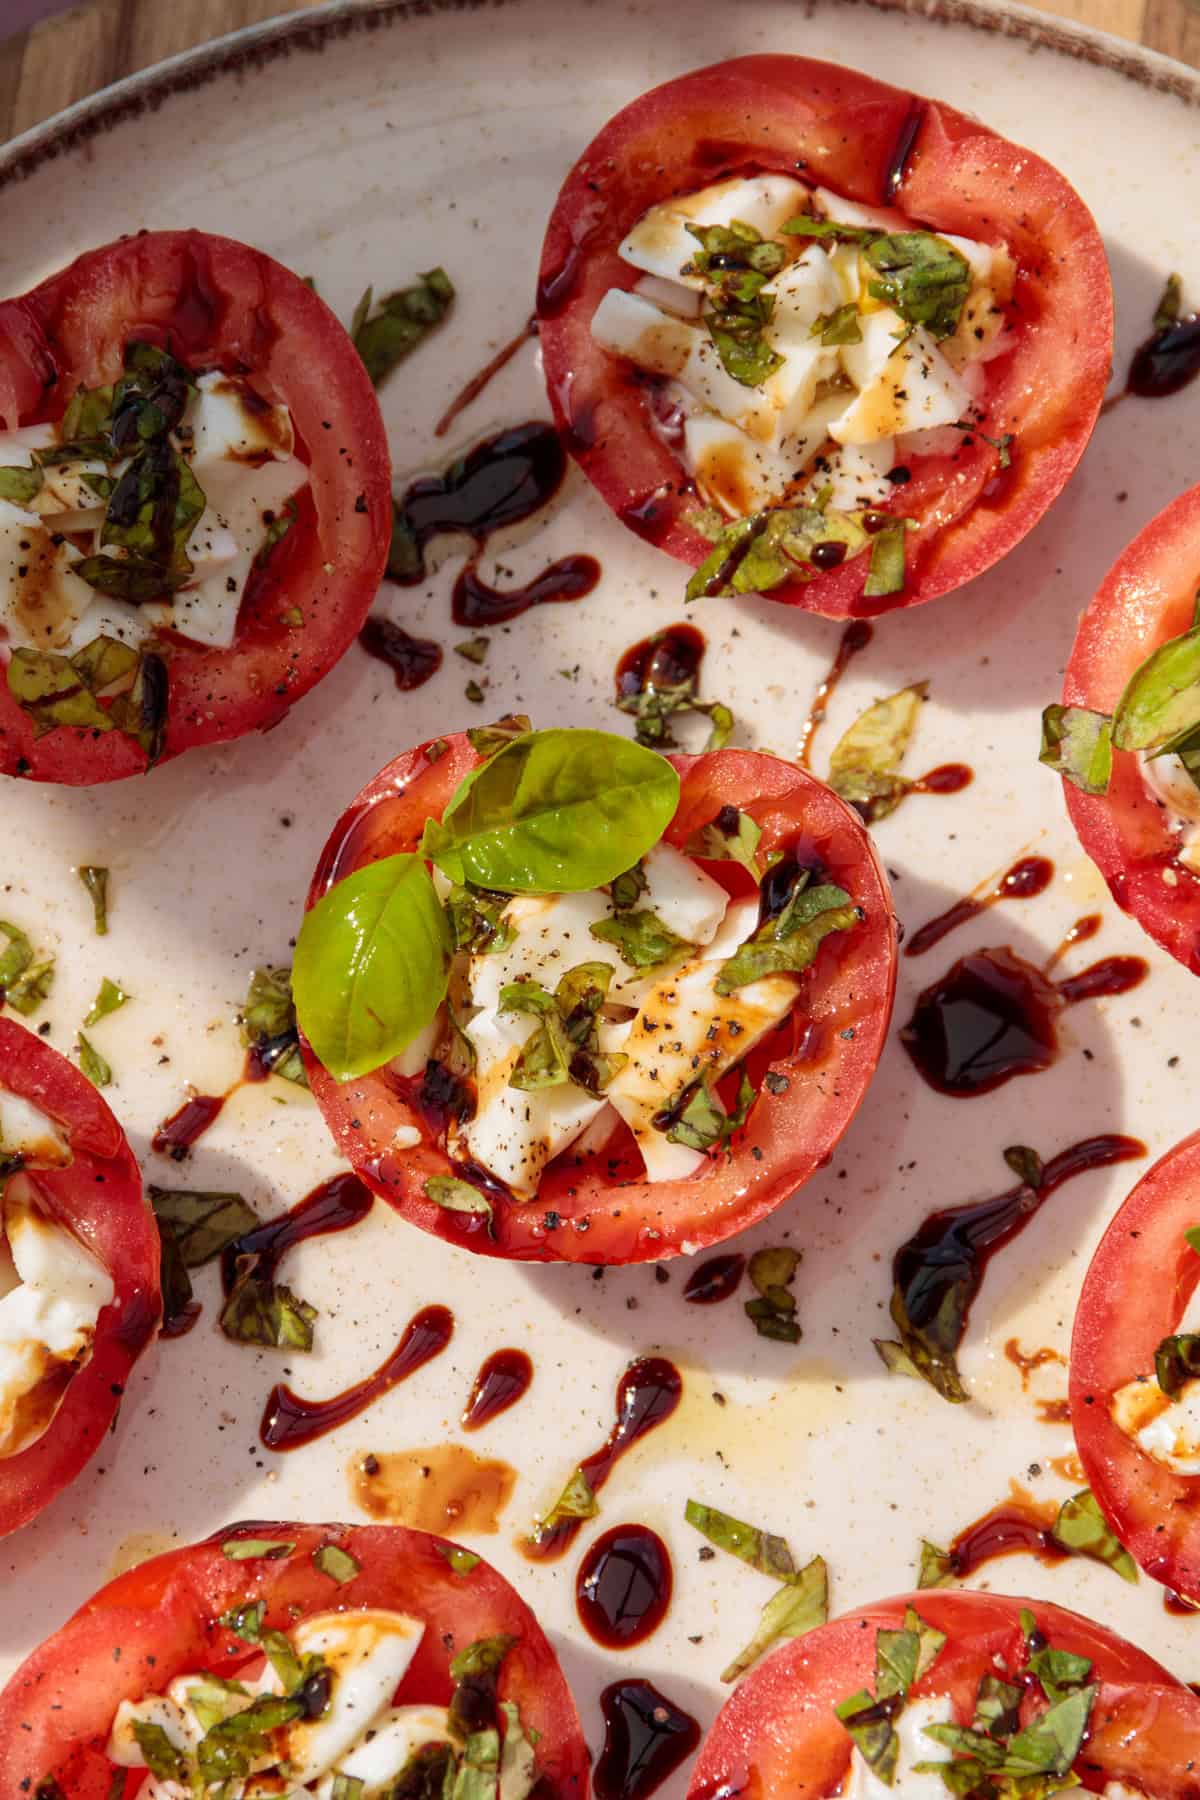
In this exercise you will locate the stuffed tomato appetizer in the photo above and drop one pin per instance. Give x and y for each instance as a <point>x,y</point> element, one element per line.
<point>349,1663</point>
<point>1126,738</point>
<point>937,1694</point>
<point>821,338</point>
<point>563,998</point>
<point>195,503</point>
<point>79,1278</point>
<point>1135,1371</point>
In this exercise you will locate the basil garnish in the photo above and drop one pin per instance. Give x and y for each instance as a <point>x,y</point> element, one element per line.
<point>936,1567</point>
<point>95,1067</point>
<point>371,965</point>
<point>642,939</point>
<point>110,997</point>
<point>402,321</point>
<point>202,1224</point>
<point>764,1551</point>
<point>1058,1671</point>
<point>565,1046</point>
<point>165,1761</point>
<point>248,1549</point>
<point>476,921</point>
<point>95,880</point>
<point>460,1560</point>
<point>773,1312</point>
<point>554,812</point>
<point>758,553</point>
<point>20,486</point>
<point>265,1312</point>
<point>864,766</point>
<point>901,1658</point>
<point>799,1606</point>
<point>457,1196</point>
<point>695,1116</point>
<point>58,690</point>
<point>838,327</point>
<point>920,275</point>
<point>1077,743</point>
<point>335,1562</point>
<point>24,982</point>
<point>1177,1361</point>
<point>732,836</point>
<point>577,1501</point>
<point>268,1023</point>
<point>788,944</point>
<point>1082,1529</point>
<point>736,263</point>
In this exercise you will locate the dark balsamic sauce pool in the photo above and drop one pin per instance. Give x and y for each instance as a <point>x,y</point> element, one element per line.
<point>503,1379</point>
<point>665,659</point>
<point>646,1737</point>
<point>623,1587</point>
<point>289,1421</point>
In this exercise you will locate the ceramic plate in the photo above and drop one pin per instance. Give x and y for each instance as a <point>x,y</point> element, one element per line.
<point>360,148</point>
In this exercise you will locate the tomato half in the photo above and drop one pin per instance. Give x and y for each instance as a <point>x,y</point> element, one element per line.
<point>56,1712</point>
<point>1148,596</point>
<point>777,1734</point>
<point>215,304</point>
<point>1134,1294</point>
<point>794,116</point>
<point>606,1211</point>
<point>97,1197</point>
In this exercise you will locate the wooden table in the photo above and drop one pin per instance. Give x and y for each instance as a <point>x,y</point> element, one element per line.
<point>65,58</point>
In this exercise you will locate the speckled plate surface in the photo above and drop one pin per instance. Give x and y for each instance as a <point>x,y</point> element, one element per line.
<point>441,135</point>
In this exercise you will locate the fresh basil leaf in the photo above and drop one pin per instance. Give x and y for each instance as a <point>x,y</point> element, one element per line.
<point>732,836</point>
<point>460,1560</point>
<point>1051,1743</point>
<point>998,1706</point>
<point>554,812</point>
<point>1191,1236</point>
<point>771,1272</point>
<point>789,943</point>
<point>1177,1361</point>
<point>477,922</point>
<point>95,880</point>
<point>977,1745</point>
<point>109,998</point>
<point>95,1067</point>
<point>735,262</point>
<point>58,690</point>
<point>227,1751</point>
<point>1077,744</point>
<point>180,1308</point>
<point>1081,1528</point>
<point>16,956</point>
<point>403,320</point>
<point>1058,1671</point>
<point>1161,699</point>
<point>864,766</point>
<point>203,1224</point>
<point>527,997</point>
<point>26,994</point>
<point>870,1724</point>
<point>148,401</point>
<point>209,1697</point>
<point>895,1358</point>
<point>165,1761</point>
<point>250,1549</point>
<point>577,1501</point>
<point>805,225</point>
<point>268,1023</point>
<point>936,1567</point>
<point>141,713</point>
<point>246,1620</point>
<point>482,1657</point>
<point>886,569</point>
<point>371,965</point>
<point>20,486</point>
<point>838,327</point>
<point>457,1196</point>
<point>545,1059</point>
<point>641,939</point>
<point>923,277</point>
<point>278,526</point>
<point>265,1312</point>
<point>49,689</point>
<point>88,414</point>
<point>764,1551</point>
<point>801,1605</point>
<point>695,1117</point>
<point>518,1761</point>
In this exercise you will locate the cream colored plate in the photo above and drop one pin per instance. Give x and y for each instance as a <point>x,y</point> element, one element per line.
<point>362,156</point>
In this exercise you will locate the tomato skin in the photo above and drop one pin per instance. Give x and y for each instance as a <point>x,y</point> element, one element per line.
<point>788,1136</point>
<point>1134,1294</point>
<point>56,1712</point>
<point>777,1733</point>
<point>215,303</point>
<point>98,1197</point>
<point>1147,597</point>
<point>790,114</point>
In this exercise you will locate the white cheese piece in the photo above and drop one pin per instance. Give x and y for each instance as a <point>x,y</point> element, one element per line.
<point>24,1128</point>
<point>857,474</point>
<point>1168,1430</point>
<point>1167,781</point>
<point>802,292</point>
<point>685,1028</point>
<point>378,1758</point>
<point>41,601</point>
<point>904,384</point>
<point>664,345</point>
<point>661,244</point>
<point>861,1781</point>
<point>228,420</point>
<point>732,471</point>
<point>63,489</point>
<point>682,895</point>
<point>368,1653</point>
<point>849,212</point>
<point>180,1727</point>
<point>412,1059</point>
<point>670,296</point>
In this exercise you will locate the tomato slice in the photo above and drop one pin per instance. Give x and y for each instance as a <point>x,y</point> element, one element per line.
<point>777,1734</point>
<point>57,1711</point>
<point>792,115</point>
<point>607,1212</point>
<point>98,1197</point>
<point>1148,596</point>
<point>215,304</point>
<point>1134,1294</point>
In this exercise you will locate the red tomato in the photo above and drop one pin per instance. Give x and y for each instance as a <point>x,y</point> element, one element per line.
<point>97,1197</point>
<point>1148,596</point>
<point>215,303</point>
<point>607,1211</point>
<point>1134,1294</point>
<point>777,1734</point>
<point>56,1712</point>
<point>789,114</point>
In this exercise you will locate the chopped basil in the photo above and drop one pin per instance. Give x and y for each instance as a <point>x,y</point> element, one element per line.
<point>998,1706</point>
<point>864,766</point>
<point>885,571</point>
<point>95,880</point>
<point>736,263</point>
<point>577,1501</point>
<point>923,277</point>
<point>460,1560</point>
<point>902,1657</point>
<point>265,1312</point>
<point>789,942</point>
<point>1081,1528</point>
<point>88,414</point>
<point>799,1606</point>
<point>733,836</point>
<point>278,526</point>
<point>1051,1743</point>
<point>1077,744</point>
<point>695,1117</point>
<point>16,956</point>
<point>335,1562</point>
<point>474,693</point>
<point>180,1308</point>
<point>457,1196</point>
<point>1170,305</point>
<point>50,1790</point>
<point>351,1787</point>
<point>56,690</point>
<point>475,649</point>
<point>518,1762</point>
<point>483,1657</point>
<point>401,322</point>
<point>653,706</point>
<point>20,486</point>
<point>109,998</point>
<point>936,1567</point>
<point>165,1761</point>
<point>209,1698</point>
<point>773,1312</point>
<point>627,888</point>
<point>1058,1671</point>
<point>228,1750</point>
<point>1191,1236</point>
<point>24,982</point>
<point>838,327</point>
<point>246,1620</point>
<point>268,1023</point>
<point>486,740</point>
<point>641,939</point>
<point>95,1067</point>
<point>476,920</point>
<point>431,1773</point>
<point>202,1224</point>
<point>249,1549</point>
<point>764,1551</point>
<point>1176,1361</point>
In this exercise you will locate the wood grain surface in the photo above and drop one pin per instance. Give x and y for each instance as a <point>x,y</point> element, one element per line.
<point>72,55</point>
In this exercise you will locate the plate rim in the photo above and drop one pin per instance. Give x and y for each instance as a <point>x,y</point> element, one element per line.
<point>254,46</point>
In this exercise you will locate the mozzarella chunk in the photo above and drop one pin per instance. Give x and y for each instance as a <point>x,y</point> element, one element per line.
<point>861,1781</point>
<point>1166,1429</point>
<point>685,1029</point>
<point>802,292</point>
<point>732,471</point>
<point>905,384</point>
<point>857,474</point>
<point>661,244</point>
<point>664,345</point>
<point>63,489</point>
<point>849,212</point>
<point>26,1131</point>
<point>368,1653</point>
<point>395,1738</point>
<point>412,1059</point>
<point>41,601</point>
<point>670,296</point>
<point>181,1728</point>
<point>1167,781</point>
<point>228,420</point>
